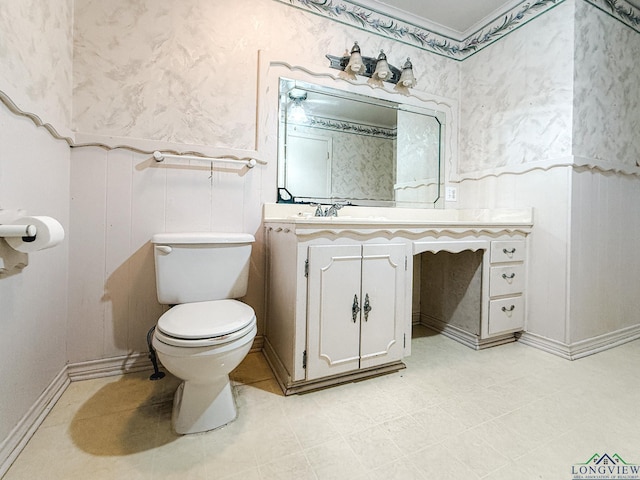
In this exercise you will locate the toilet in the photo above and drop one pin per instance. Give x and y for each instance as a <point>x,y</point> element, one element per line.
<point>206,333</point>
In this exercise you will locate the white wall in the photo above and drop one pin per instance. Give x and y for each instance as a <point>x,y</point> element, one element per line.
<point>35,71</point>
<point>553,124</point>
<point>183,74</point>
<point>119,200</point>
<point>516,97</point>
<point>605,264</point>
<point>516,122</point>
<point>607,97</point>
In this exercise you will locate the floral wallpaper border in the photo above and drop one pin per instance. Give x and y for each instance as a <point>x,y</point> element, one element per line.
<point>351,127</point>
<point>352,13</point>
<point>620,10</point>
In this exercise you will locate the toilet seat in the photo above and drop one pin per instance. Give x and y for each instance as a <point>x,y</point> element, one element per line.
<point>202,324</point>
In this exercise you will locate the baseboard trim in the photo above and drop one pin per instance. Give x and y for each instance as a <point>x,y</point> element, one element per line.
<point>280,372</point>
<point>17,439</point>
<point>461,336</point>
<point>107,367</point>
<point>545,344</point>
<point>582,348</point>
<point>135,362</point>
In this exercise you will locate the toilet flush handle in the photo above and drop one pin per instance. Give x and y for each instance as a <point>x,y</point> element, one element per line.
<point>166,249</point>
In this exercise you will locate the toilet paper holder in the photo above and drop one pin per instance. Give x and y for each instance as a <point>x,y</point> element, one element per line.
<point>27,232</point>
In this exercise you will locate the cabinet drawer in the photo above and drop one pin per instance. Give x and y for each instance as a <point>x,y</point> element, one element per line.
<point>506,280</point>
<point>507,251</point>
<point>506,314</point>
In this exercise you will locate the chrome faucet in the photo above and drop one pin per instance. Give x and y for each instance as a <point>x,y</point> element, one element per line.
<point>331,211</point>
<point>319,212</point>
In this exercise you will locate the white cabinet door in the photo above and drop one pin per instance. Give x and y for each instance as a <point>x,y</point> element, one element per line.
<point>355,307</point>
<point>333,335</point>
<point>382,296</point>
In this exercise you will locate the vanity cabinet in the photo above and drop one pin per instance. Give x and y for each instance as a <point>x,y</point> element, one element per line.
<point>336,307</point>
<point>506,286</point>
<point>342,292</point>
<point>355,307</point>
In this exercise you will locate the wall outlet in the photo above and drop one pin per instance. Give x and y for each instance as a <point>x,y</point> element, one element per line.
<point>451,194</point>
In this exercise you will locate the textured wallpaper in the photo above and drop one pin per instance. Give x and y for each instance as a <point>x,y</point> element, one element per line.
<point>607,96</point>
<point>362,166</point>
<point>516,96</point>
<point>35,57</point>
<point>186,71</point>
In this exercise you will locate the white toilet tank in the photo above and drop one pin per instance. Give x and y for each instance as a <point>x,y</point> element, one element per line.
<point>202,266</point>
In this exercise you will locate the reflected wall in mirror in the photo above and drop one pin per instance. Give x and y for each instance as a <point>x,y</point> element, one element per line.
<point>339,146</point>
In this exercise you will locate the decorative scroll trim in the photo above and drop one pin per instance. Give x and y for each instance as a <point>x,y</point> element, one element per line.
<point>351,13</point>
<point>437,101</point>
<point>389,232</point>
<point>621,10</point>
<point>144,147</point>
<point>425,182</point>
<point>576,163</point>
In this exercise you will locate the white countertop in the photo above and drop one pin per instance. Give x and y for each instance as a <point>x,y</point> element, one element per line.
<point>302,215</point>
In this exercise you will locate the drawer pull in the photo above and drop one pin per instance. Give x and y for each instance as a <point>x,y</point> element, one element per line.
<point>510,309</point>
<point>509,251</point>
<point>509,277</point>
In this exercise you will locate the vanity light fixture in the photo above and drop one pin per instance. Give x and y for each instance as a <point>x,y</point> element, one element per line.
<point>382,71</point>
<point>356,65</point>
<point>377,69</point>
<point>297,112</point>
<point>407,78</point>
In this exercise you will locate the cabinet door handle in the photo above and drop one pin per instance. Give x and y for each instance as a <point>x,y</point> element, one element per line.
<point>355,309</point>
<point>510,309</point>
<point>367,307</point>
<point>510,251</point>
<point>508,277</point>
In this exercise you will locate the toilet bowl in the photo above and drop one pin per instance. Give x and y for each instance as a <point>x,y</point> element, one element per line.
<point>207,333</point>
<point>201,343</point>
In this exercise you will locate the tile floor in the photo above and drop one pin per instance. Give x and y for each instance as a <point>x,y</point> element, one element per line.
<point>510,412</point>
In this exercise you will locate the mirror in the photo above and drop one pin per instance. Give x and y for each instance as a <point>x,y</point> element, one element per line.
<point>341,146</point>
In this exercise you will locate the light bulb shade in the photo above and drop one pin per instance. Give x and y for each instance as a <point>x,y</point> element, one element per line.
<point>356,64</point>
<point>297,113</point>
<point>382,72</point>
<point>406,77</point>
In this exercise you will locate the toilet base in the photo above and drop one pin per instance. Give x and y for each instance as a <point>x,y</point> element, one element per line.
<point>199,407</point>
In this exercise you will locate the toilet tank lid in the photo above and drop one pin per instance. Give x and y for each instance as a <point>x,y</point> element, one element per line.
<point>202,238</point>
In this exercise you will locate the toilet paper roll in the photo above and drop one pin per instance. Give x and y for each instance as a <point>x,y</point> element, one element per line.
<point>49,234</point>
